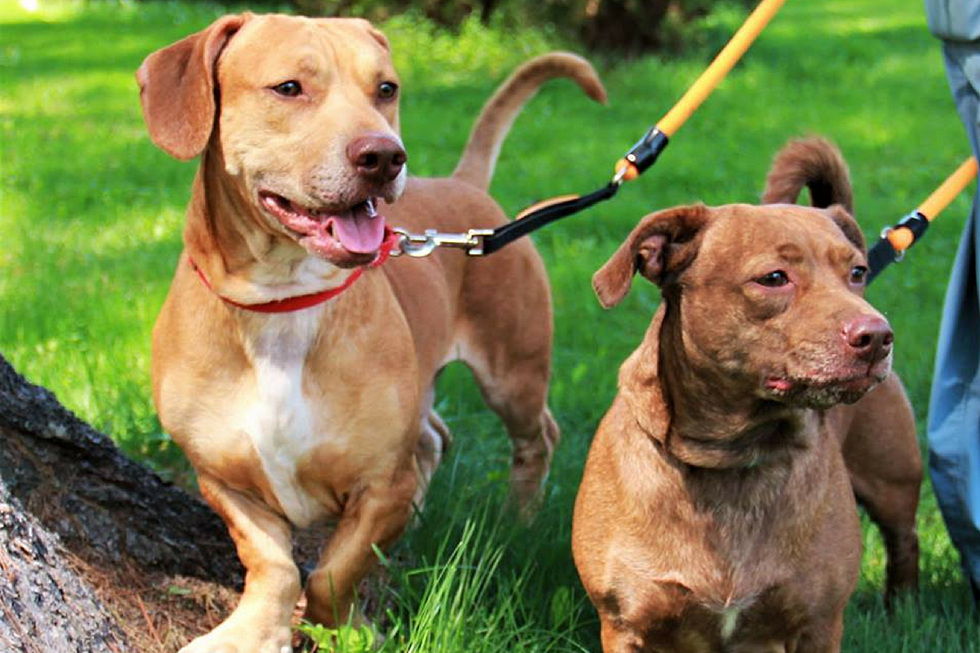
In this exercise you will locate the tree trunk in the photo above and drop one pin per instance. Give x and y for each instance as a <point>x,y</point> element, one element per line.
<point>85,533</point>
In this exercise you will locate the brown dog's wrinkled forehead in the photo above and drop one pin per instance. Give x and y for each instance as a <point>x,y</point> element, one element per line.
<point>686,242</point>
<point>744,229</point>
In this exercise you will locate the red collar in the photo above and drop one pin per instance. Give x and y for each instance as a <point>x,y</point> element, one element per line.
<point>289,304</point>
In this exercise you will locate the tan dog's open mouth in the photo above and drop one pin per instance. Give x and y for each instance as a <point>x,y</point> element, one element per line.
<point>347,238</point>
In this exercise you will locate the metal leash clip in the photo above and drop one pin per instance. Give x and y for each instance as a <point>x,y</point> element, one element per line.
<point>420,245</point>
<point>899,255</point>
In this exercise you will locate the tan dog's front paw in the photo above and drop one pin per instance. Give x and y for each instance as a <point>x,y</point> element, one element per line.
<point>232,637</point>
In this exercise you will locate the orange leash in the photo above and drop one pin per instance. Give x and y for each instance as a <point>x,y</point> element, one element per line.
<point>646,151</point>
<point>483,242</point>
<point>896,240</point>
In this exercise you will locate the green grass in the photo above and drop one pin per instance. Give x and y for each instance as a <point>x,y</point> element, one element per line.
<point>90,227</point>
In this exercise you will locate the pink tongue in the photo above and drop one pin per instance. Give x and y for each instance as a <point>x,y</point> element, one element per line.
<point>358,233</point>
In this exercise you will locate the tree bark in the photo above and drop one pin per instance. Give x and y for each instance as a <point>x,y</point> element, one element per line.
<point>69,499</point>
<point>45,607</point>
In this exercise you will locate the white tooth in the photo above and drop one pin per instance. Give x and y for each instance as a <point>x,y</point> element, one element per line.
<point>371,211</point>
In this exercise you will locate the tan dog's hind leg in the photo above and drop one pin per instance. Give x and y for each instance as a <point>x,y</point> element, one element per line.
<point>434,441</point>
<point>509,352</point>
<point>516,388</point>
<point>376,516</point>
<point>260,623</point>
<point>885,466</point>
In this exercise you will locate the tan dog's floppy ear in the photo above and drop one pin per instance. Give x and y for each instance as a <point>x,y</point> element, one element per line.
<point>177,89</point>
<point>663,243</point>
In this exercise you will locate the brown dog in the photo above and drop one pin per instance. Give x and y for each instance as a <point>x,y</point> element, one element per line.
<point>715,512</point>
<point>326,411</point>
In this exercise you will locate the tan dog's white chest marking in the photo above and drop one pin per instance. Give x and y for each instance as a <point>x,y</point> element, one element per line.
<point>278,418</point>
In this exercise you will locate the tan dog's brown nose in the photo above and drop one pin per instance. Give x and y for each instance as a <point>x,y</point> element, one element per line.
<point>869,336</point>
<point>377,158</point>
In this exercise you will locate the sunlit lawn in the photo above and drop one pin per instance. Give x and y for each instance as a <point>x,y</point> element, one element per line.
<point>91,215</point>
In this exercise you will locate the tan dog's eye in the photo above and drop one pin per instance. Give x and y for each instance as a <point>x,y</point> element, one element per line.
<point>859,275</point>
<point>387,90</point>
<point>774,279</point>
<point>291,88</point>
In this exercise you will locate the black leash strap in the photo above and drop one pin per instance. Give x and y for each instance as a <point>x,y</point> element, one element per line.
<point>637,160</point>
<point>543,215</point>
<point>884,253</point>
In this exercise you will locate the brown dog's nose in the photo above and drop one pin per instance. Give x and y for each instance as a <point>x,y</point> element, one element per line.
<point>869,336</point>
<point>378,158</point>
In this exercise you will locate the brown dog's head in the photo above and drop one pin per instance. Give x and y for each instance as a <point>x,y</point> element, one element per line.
<point>769,299</point>
<point>303,114</point>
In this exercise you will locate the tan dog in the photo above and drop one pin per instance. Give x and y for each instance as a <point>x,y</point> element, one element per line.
<point>715,512</point>
<point>326,412</point>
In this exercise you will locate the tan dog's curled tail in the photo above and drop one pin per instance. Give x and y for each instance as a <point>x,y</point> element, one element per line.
<point>813,162</point>
<point>480,156</point>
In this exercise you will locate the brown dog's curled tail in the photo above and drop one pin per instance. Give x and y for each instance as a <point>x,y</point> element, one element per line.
<point>480,156</point>
<point>813,162</point>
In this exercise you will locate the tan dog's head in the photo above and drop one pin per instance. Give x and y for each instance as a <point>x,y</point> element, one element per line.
<point>303,114</point>
<point>769,299</point>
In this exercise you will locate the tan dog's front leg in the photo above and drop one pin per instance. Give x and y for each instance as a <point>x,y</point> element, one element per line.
<point>260,623</point>
<point>376,516</point>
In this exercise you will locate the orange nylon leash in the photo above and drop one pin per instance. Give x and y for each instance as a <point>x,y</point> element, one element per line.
<point>483,242</point>
<point>902,238</point>
<point>646,151</point>
<point>896,240</point>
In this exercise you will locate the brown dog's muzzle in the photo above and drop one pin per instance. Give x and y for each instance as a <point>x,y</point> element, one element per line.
<point>377,159</point>
<point>869,337</point>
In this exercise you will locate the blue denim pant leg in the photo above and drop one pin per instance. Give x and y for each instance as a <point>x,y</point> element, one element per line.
<point>954,407</point>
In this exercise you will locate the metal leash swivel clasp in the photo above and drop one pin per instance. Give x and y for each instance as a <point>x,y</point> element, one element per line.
<point>899,255</point>
<point>419,245</point>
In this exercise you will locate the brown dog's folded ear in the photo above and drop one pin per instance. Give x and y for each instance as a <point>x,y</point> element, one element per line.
<point>846,222</point>
<point>177,88</point>
<point>663,243</point>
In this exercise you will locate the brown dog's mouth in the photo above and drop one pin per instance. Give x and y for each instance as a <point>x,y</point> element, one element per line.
<point>344,236</point>
<point>819,393</point>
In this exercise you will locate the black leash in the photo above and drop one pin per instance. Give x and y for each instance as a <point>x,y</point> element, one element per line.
<point>884,253</point>
<point>483,242</point>
<point>538,217</point>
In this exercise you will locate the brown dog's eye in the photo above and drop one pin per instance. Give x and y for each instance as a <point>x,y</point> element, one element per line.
<point>387,90</point>
<point>859,274</point>
<point>774,279</point>
<point>291,88</point>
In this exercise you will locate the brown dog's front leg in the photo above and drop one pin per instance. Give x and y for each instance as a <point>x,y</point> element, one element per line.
<point>376,516</point>
<point>822,638</point>
<point>260,623</point>
<point>882,455</point>
<point>620,639</point>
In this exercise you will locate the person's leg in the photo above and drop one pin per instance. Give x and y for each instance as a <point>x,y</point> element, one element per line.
<point>954,407</point>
